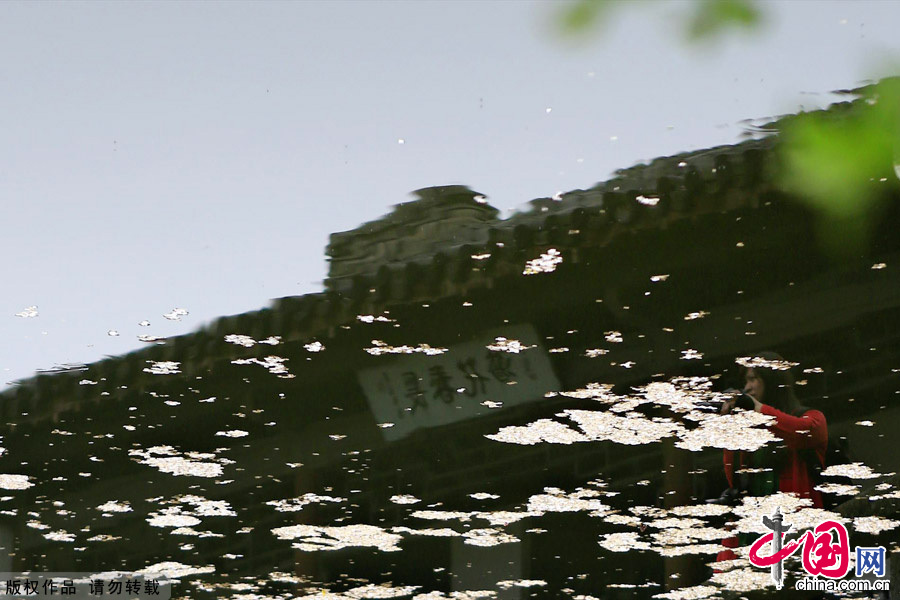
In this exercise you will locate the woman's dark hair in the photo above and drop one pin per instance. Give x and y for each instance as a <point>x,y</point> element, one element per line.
<point>779,383</point>
<point>779,394</point>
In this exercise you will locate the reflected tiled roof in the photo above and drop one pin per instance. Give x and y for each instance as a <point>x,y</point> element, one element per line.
<point>450,242</point>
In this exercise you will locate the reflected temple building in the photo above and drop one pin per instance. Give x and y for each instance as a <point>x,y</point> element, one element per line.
<point>473,405</point>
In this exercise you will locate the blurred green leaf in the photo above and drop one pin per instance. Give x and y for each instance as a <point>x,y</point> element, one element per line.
<point>712,17</point>
<point>584,15</point>
<point>708,18</point>
<point>838,161</point>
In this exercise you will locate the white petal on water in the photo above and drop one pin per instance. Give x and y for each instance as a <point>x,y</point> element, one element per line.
<point>797,511</point>
<point>374,318</point>
<point>28,313</point>
<point>502,344</point>
<point>696,315</point>
<point>838,489</point>
<point>744,580</point>
<point>174,570</point>
<point>249,342</point>
<point>686,537</point>
<point>554,502</point>
<point>404,499</point>
<point>193,532</point>
<point>891,495</point>
<point>630,430</point>
<point>314,347</point>
<point>150,338</point>
<point>623,520</point>
<point>313,538</point>
<point>736,431</point>
<point>545,263</point>
<point>596,391</point>
<point>701,510</point>
<point>623,542</point>
<point>167,460</point>
<point>483,496</point>
<point>274,364</point>
<point>176,314</point>
<point>283,577</point>
<point>752,362</point>
<point>296,504</point>
<point>874,525</point>
<point>508,583</point>
<point>163,367</point>
<point>379,591</point>
<point>429,532</point>
<point>675,523</point>
<point>379,347</point>
<point>852,470</point>
<point>503,518</point>
<point>697,592</point>
<point>488,537</point>
<point>680,398</point>
<point>114,506</point>
<point>233,433</point>
<point>240,340</point>
<point>60,536</point>
<point>443,515</point>
<point>543,430</point>
<point>103,538</point>
<point>204,507</point>
<point>648,512</point>
<point>14,482</point>
<point>172,517</point>
<point>668,551</point>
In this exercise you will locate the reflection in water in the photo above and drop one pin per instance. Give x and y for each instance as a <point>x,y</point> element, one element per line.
<point>479,408</point>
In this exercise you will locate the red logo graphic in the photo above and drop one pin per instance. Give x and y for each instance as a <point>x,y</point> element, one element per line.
<point>822,553</point>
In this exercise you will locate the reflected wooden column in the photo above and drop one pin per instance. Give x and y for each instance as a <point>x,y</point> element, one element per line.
<point>677,492</point>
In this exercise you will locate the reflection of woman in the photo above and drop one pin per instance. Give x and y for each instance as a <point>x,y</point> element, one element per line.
<point>769,389</point>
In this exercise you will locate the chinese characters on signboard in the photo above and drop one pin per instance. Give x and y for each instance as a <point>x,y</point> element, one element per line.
<point>416,391</point>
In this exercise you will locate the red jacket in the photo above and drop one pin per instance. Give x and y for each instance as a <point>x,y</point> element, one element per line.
<point>799,433</point>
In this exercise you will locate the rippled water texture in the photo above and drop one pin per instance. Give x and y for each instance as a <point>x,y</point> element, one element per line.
<point>480,408</point>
